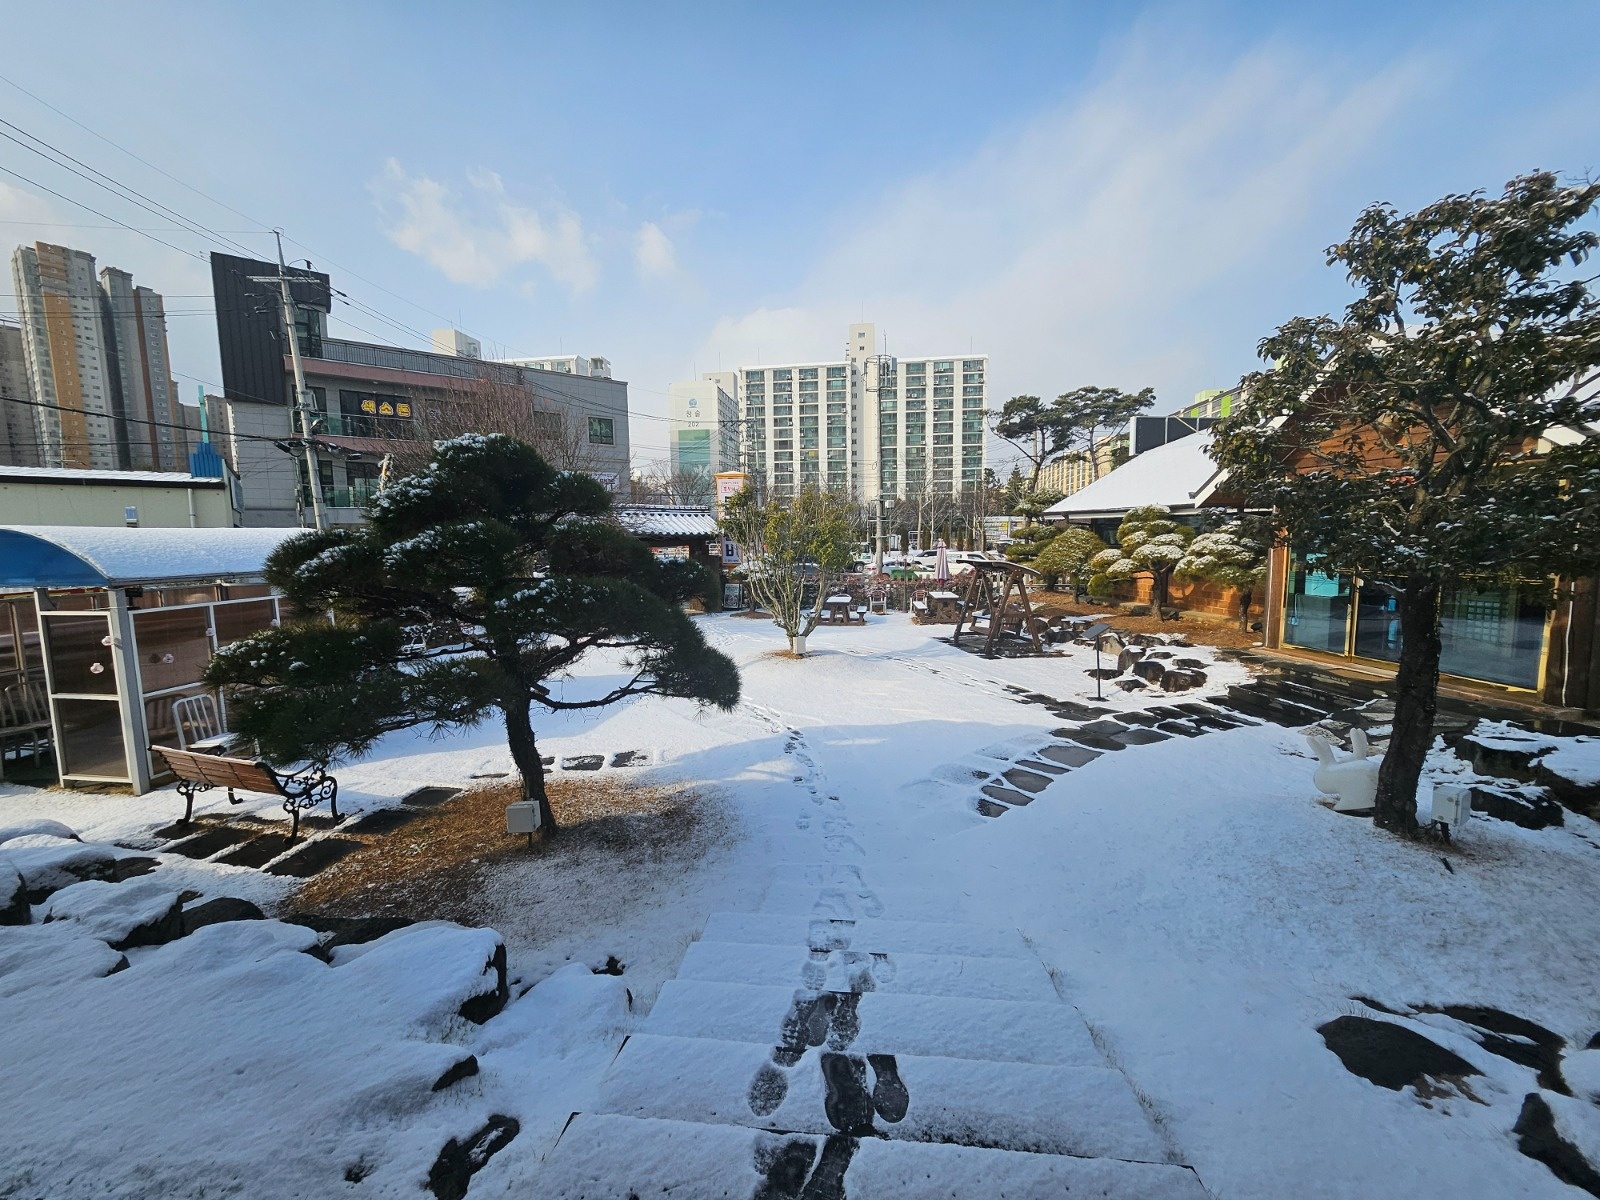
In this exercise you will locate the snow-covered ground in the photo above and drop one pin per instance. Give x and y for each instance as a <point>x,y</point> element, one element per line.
<point>1194,900</point>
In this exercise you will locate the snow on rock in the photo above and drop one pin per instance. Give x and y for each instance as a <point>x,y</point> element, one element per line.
<point>39,825</point>
<point>140,912</point>
<point>1576,760</point>
<point>13,896</point>
<point>466,973</point>
<point>47,861</point>
<point>231,1062</point>
<point>1581,1072</point>
<point>36,960</point>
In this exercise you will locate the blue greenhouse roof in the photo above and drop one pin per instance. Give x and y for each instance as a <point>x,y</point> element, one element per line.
<point>62,556</point>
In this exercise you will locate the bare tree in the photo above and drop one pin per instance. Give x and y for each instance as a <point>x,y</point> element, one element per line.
<point>659,483</point>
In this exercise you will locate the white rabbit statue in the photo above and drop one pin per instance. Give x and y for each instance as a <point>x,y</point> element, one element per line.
<point>1354,780</point>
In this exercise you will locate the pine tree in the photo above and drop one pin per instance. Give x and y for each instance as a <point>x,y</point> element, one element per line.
<point>1067,556</point>
<point>1443,429</point>
<point>1234,556</point>
<point>508,565</point>
<point>1149,542</point>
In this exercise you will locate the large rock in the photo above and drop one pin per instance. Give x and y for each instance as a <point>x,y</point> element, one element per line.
<point>1571,773</point>
<point>1502,756</point>
<point>1390,1055</point>
<point>1539,1137</point>
<point>1129,657</point>
<point>48,862</point>
<point>348,931</point>
<point>37,825</point>
<point>14,908</point>
<point>140,912</point>
<point>459,1161</point>
<point>1179,680</point>
<point>1149,670</point>
<point>214,912</point>
<point>1532,809</point>
<point>478,1009</point>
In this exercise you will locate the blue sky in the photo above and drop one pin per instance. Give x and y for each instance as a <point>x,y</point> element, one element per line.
<point>1090,193</point>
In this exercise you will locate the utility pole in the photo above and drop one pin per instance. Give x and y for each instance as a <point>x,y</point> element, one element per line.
<point>301,396</point>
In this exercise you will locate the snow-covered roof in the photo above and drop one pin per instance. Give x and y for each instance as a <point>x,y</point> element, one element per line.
<point>86,475</point>
<point>90,556</point>
<point>1175,475</point>
<point>667,520</point>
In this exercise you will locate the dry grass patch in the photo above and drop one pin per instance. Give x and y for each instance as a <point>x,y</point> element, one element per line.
<point>1198,629</point>
<point>441,865</point>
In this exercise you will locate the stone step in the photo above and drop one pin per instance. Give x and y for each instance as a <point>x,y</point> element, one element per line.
<point>1086,1111</point>
<point>911,937</point>
<point>607,1157</point>
<point>890,1022</point>
<point>855,902</point>
<point>868,971</point>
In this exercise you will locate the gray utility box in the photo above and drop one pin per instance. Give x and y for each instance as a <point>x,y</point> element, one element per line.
<point>522,817</point>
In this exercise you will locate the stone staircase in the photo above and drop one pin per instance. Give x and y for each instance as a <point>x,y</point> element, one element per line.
<point>852,1040</point>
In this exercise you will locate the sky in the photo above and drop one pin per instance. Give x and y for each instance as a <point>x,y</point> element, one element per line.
<point>1118,195</point>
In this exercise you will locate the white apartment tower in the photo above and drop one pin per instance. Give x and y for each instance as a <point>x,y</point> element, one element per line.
<point>870,424</point>
<point>704,431</point>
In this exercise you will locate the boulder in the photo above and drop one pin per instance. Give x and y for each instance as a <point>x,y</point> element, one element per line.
<point>1192,664</point>
<point>14,908</point>
<point>37,825</point>
<point>1539,1138</point>
<point>1137,610</point>
<point>1149,670</point>
<point>458,1162</point>
<point>214,912</point>
<point>48,863</point>
<point>1572,783</point>
<point>1179,680</point>
<point>1532,808</point>
<point>484,1005</point>
<point>347,931</point>
<point>1146,639</point>
<point>1391,1055</point>
<point>140,912</point>
<point>1500,756</point>
<point>1131,685</point>
<point>1129,656</point>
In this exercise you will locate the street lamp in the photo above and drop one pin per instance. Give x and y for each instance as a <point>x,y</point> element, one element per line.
<point>883,503</point>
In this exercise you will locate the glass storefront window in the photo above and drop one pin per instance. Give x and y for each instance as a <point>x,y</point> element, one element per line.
<point>1316,608</point>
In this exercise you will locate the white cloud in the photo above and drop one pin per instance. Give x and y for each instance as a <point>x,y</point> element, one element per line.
<point>653,252</point>
<point>1123,239</point>
<point>477,239</point>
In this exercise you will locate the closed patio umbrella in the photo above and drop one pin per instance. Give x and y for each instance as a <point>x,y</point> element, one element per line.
<point>941,563</point>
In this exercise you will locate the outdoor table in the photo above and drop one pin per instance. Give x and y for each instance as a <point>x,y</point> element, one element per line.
<point>942,606</point>
<point>838,609</point>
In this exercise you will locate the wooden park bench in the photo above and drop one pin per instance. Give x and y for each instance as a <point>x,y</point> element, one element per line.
<point>202,772</point>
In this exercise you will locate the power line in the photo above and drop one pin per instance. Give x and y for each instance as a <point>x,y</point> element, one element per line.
<point>108,183</point>
<point>98,213</point>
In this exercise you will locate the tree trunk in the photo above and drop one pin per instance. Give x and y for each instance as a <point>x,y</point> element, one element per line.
<point>525,753</point>
<point>1416,700</point>
<point>1244,611</point>
<point>1158,591</point>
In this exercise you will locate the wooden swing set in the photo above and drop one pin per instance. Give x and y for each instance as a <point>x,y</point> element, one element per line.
<point>989,596</point>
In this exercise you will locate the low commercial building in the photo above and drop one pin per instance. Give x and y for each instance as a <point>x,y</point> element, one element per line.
<point>71,496</point>
<point>374,402</point>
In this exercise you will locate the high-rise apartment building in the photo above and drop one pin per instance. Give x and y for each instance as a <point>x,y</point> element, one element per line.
<point>703,436</point>
<point>566,364</point>
<point>869,424</point>
<point>64,340</point>
<point>153,438</point>
<point>97,364</point>
<point>19,433</point>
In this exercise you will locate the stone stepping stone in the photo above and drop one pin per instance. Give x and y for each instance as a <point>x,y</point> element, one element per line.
<point>1141,737</point>
<point>1138,718</point>
<point>912,937</point>
<point>382,820</point>
<point>1034,764</point>
<point>583,762</point>
<point>995,792</point>
<point>429,796</point>
<point>1103,728</point>
<point>631,758</point>
<point>1028,781</point>
<point>257,852</point>
<point>1069,756</point>
<point>1094,741</point>
<point>211,841</point>
<point>314,857</point>
<point>1180,727</point>
<point>989,808</point>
